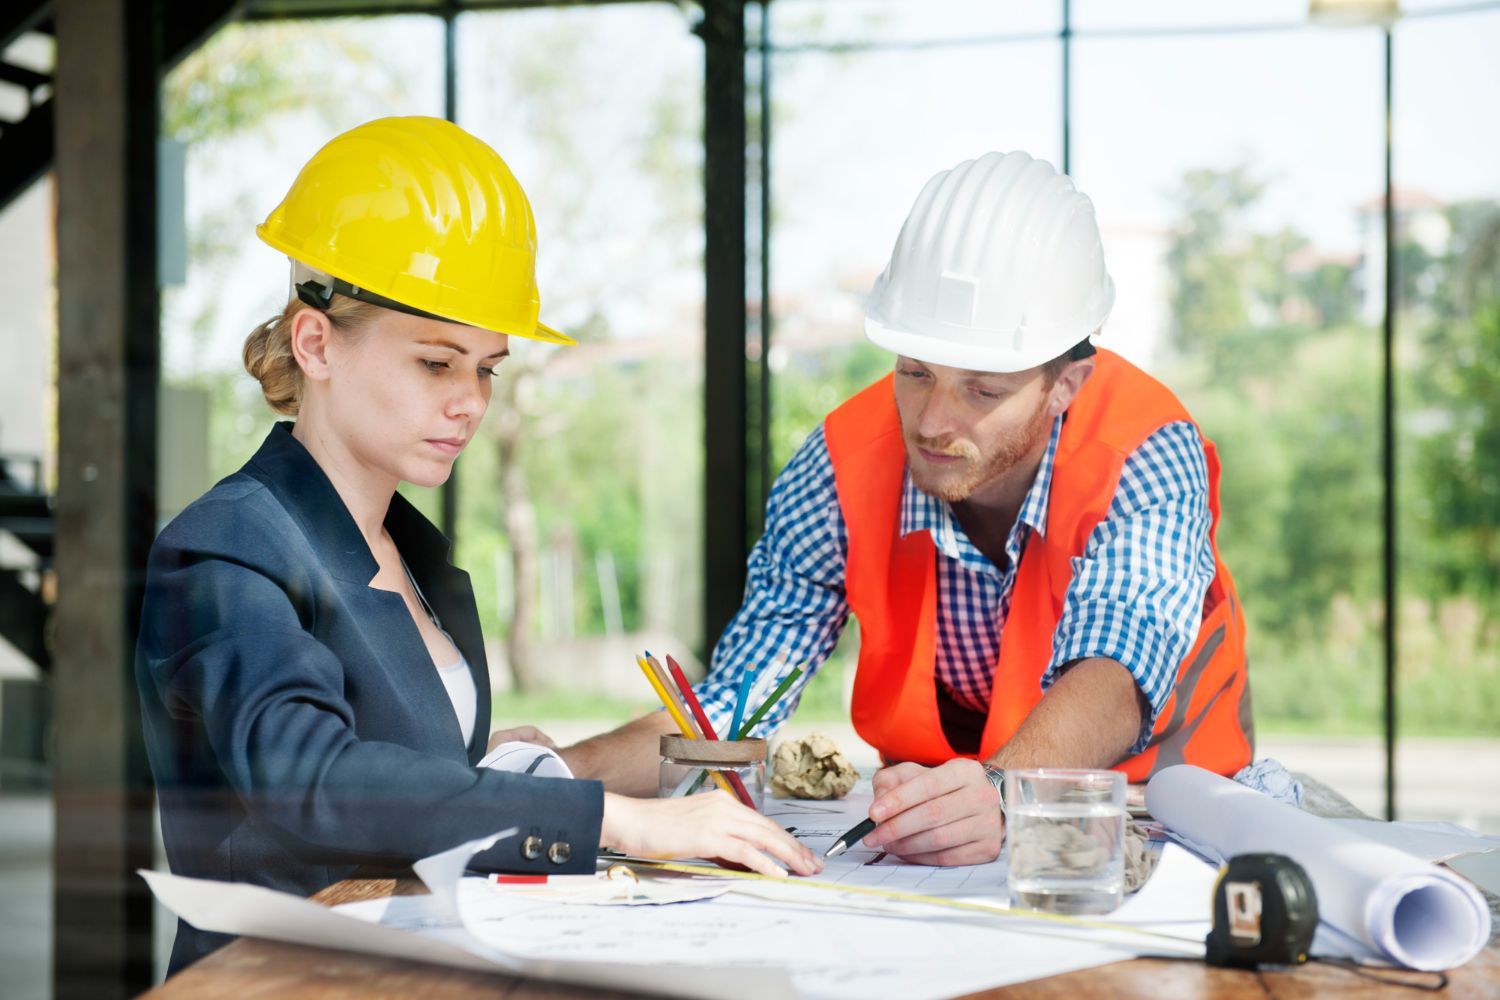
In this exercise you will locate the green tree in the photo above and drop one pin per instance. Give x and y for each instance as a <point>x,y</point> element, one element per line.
<point>1459,465</point>
<point>1207,255</point>
<point>1329,289</point>
<point>595,462</point>
<point>1471,266</point>
<point>1293,409</point>
<point>240,84</point>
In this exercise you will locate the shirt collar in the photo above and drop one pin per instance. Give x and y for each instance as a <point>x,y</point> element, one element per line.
<point>922,512</point>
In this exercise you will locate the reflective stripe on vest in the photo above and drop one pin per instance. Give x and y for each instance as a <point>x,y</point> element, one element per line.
<point>891,584</point>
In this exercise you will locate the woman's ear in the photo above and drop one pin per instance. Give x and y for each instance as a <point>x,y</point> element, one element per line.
<point>311,332</point>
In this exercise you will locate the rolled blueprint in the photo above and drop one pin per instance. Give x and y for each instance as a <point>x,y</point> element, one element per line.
<point>1406,910</point>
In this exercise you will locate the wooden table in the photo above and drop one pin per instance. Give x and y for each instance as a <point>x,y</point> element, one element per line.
<point>250,969</point>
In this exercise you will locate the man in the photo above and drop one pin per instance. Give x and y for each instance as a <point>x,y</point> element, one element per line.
<point>1023,526</point>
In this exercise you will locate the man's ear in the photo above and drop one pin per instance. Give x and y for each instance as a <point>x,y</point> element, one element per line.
<point>1060,396</point>
<point>311,331</point>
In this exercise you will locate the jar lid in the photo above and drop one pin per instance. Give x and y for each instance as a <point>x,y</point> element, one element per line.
<point>684,750</point>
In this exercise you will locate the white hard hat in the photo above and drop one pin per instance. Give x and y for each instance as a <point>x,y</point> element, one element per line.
<point>998,268</point>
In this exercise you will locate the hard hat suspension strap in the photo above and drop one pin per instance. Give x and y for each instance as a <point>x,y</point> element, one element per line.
<point>1083,349</point>
<point>320,296</point>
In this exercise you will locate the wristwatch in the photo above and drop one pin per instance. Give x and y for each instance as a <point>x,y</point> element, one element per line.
<point>996,777</point>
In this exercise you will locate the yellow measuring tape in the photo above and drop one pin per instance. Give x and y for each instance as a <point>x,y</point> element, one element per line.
<point>912,897</point>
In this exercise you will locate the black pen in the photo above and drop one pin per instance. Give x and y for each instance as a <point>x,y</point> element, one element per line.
<point>851,838</point>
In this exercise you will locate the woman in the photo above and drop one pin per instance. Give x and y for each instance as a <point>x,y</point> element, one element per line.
<point>310,665</point>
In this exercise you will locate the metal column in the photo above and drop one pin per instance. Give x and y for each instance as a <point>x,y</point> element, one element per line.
<point>725,466</point>
<point>1388,452</point>
<point>108,55</point>
<point>449,493</point>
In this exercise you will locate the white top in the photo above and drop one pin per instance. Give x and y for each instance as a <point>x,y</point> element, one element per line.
<point>461,691</point>
<point>456,677</point>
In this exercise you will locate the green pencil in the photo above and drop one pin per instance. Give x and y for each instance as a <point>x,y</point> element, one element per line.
<point>769,703</point>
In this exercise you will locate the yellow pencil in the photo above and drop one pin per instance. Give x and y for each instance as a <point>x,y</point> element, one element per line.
<point>666,684</point>
<point>676,714</point>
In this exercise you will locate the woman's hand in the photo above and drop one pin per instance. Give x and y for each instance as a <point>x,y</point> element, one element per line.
<point>520,734</point>
<point>708,825</point>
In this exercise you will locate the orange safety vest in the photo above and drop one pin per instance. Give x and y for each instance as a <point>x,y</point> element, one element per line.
<point>891,585</point>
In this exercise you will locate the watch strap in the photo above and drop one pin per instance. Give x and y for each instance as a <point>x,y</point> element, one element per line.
<point>996,776</point>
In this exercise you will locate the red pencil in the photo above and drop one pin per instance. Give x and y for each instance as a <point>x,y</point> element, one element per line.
<point>696,708</point>
<point>690,698</point>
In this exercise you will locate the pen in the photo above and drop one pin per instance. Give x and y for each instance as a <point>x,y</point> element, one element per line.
<point>851,838</point>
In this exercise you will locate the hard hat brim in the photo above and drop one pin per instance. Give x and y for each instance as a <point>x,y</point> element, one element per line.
<point>548,335</point>
<point>950,354</point>
<point>538,331</point>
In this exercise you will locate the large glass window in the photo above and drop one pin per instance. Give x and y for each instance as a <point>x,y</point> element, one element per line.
<point>240,116</point>
<point>1230,171</point>
<point>247,110</point>
<point>578,505</point>
<point>1234,156</point>
<point>581,507</point>
<point>28,454</point>
<point>1448,433</point>
<point>867,102</point>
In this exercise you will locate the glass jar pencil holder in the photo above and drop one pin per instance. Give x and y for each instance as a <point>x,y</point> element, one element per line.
<point>689,767</point>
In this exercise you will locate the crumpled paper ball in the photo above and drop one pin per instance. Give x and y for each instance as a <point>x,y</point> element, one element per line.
<point>811,768</point>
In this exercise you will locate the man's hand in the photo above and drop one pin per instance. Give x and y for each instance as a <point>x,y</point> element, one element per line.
<point>944,815</point>
<point>521,734</point>
<point>627,759</point>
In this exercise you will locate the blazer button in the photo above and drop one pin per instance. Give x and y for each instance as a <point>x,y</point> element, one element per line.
<point>559,852</point>
<point>531,847</point>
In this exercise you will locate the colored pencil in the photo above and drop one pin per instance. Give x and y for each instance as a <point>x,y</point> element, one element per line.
<point>680,679</point>
<point>682,721</point>
<point>666,699</point>
<point>766,682</point>
<point>674,692</point>
<point>765,706</point>
<point>746,683</point>
<point>690,698</point>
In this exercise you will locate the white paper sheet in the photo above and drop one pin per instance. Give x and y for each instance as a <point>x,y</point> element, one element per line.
<point>1481,869</point>
<point>1176,902</point>
<point>819,823</point>
<point>731,947</point>
<point>1433,842</point>
<point>1408,911</point>
<point>766,942</point>
<point>526,758</point>
<point>1179,891</point>
<point>829,954</point>
<point>236,908</point>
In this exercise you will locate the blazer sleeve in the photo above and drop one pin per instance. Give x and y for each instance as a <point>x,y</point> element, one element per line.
<point>223,646</point>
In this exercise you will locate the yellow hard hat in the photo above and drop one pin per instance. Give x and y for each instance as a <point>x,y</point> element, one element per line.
<point>418,215</point>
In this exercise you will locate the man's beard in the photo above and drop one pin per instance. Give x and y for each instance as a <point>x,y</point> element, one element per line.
<point>958,483</point>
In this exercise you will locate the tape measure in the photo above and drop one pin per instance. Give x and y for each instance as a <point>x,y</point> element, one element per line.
<point>1265,913</point>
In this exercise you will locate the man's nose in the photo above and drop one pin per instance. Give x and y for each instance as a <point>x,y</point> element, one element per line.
<point>937,417</point>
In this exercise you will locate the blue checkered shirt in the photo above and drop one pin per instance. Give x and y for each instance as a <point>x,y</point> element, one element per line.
<point>1136,595</point>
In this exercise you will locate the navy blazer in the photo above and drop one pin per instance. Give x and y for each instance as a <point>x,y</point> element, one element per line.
<point>295,723</point>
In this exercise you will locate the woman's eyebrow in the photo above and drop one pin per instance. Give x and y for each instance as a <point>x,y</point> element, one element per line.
<point>450,345</point>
